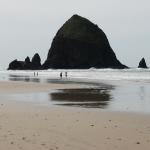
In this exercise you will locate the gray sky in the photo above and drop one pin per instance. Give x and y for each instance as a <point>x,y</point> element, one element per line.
<point>28,26</point>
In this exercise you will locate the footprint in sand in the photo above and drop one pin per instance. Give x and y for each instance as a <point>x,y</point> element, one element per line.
<point>138,143</point>
<point>45,119</point>
<point>119,139</point>
<point>115,126</point>
<point>108,138</point>
<point>92,125</point>
<point>12,142</point>
<point>43,144</point>
<point>23,138</point>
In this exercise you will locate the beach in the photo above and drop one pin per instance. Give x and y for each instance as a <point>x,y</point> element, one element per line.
<point>25,125</point>
<point>75,75</point>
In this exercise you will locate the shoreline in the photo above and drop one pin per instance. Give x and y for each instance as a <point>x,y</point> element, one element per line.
<point>21,86</point>
<point>13,88</point>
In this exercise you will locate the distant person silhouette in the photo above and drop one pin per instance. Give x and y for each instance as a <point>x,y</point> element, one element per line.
<point>66,74</point>
<point>61,75</point>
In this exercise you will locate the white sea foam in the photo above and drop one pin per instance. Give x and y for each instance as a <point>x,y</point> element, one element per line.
<point>134,74</point>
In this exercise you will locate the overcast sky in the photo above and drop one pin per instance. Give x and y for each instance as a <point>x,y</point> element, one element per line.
<point>28,26</point>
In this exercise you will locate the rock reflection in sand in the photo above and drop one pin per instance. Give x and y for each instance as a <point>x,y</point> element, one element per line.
<point>88,98</point>
<point>23,78</point>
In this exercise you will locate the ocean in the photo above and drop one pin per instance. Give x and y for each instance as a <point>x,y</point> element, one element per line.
<point>126,90</point>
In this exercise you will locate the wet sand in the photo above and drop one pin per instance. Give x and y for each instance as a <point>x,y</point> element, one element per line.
<point>27,126</point>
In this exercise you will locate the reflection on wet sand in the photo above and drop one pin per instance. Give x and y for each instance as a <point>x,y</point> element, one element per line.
<point>98,96</point>
<point>23,78</point>
<point>91,98</point>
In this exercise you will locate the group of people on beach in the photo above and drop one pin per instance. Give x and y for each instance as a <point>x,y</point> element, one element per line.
<point>36,73</point>
<point>61,74</point>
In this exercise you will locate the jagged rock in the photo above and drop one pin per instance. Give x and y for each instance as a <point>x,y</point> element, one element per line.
<point>81,44</point>
<point>142,64</point>
<point>27,60</point>
<point>35,64</point>
<point>36,61</point>
<point>27,64</point>
<point>16,65</point>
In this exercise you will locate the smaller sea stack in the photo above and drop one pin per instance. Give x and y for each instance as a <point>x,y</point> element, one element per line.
<point>142,64</point>
<point>35,64</point>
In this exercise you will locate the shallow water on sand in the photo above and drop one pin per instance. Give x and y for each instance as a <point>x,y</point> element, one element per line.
<point>126,94</point>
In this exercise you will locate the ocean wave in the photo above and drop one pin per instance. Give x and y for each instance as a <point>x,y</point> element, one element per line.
<point>91,74</point>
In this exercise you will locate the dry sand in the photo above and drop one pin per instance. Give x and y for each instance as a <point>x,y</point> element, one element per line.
<point>25,126</point>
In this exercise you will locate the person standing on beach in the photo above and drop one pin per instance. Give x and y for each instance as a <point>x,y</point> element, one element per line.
<point>61,75</point>
<point>66,74</point>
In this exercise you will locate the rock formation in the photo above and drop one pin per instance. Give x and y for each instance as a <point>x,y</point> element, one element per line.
<point>142,64</point>
<point>27,64</point>
<point>80,44</point>
<point>35,64</point>
<point>16,65</point>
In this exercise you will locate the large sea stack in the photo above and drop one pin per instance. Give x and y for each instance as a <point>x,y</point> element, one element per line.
<point>80,44</point>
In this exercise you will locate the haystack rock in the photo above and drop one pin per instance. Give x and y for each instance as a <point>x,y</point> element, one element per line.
<point>80,44</point>
<point>142,64</point>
